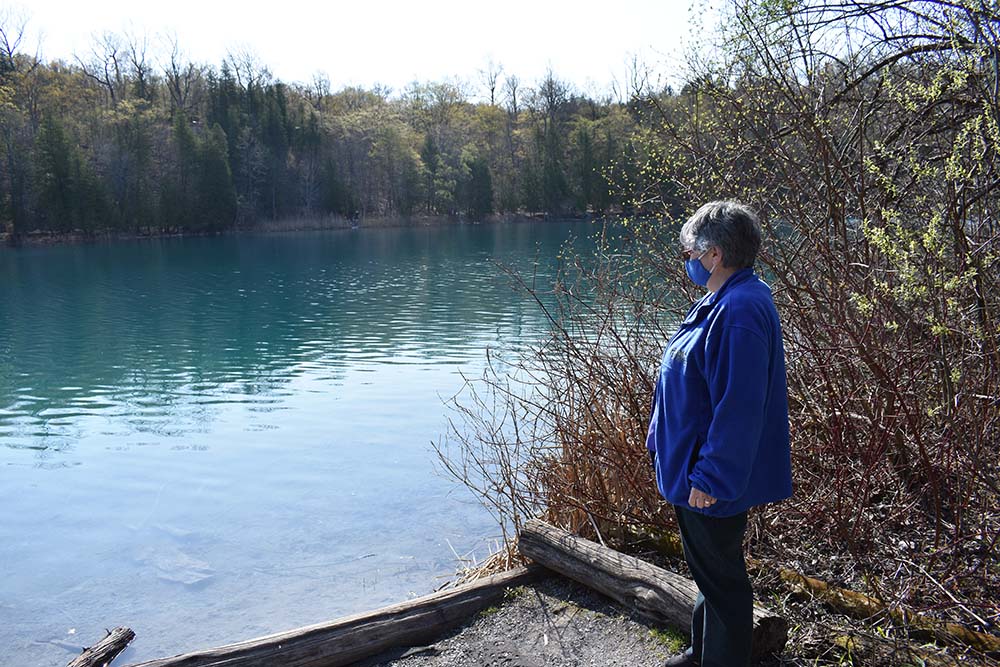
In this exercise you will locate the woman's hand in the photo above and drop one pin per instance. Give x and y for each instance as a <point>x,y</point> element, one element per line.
<point>700,499</point>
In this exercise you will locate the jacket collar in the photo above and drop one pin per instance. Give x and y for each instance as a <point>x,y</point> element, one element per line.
<point>702,306</point>
<point>741,276</point>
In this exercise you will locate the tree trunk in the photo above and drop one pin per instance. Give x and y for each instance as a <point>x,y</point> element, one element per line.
<point>862,650</point>
<point>842,600</point>
<point>859,605</point>
<point>659,595</point>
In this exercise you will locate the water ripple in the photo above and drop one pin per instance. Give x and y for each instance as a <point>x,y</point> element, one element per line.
<point>277,394</point>
<point>165,335</point>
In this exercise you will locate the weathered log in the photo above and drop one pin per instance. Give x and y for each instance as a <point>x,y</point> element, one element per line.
<point>864,650</point>
<point>655,593</point>
<point>104,651</point>
<point>859,605</point>
<point>353,638</point>
<point>852,603</point>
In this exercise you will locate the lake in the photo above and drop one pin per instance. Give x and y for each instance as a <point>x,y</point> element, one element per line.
<point>211,439</point>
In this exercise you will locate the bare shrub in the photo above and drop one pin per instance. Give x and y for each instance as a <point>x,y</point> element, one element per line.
<point>553,430</point>
<point>867,135</point>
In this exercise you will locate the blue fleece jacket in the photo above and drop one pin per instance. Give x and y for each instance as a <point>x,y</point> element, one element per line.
<point>720,412</point>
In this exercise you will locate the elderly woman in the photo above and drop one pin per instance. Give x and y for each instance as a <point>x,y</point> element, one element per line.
<point>718,432</point>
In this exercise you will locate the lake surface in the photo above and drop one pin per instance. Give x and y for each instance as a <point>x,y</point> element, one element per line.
<point>211,439</point>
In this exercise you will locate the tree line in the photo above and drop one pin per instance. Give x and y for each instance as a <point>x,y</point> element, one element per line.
<point>123,140</point>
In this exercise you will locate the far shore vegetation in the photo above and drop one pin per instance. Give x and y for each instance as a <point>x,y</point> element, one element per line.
<point>132,139</point>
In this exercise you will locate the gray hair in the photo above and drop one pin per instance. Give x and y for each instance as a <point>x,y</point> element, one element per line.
<point>729,226</point>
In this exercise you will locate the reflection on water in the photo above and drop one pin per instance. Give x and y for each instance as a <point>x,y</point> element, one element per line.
<point>210,439</point>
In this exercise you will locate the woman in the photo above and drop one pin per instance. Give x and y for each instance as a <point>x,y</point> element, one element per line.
<point>718,432</point>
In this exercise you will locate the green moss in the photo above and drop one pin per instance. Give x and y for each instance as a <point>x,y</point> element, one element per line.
<point>516,592</point>
<point>673,640</point>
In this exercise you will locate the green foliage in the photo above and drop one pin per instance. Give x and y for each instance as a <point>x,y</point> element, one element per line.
<point>55,160</point>
<point>215,195</point>
<point>670,638</point>
<point>70,196</point>
<point>479,189</point>
<point>146,148</point>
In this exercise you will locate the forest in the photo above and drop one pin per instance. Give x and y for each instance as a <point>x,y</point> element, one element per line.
<point>135,139</point>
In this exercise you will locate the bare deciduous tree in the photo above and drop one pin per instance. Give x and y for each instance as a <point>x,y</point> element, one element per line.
<point>511,86</point>
<point>318,90</point>
<point>182,77</point>
<point>490,76</point>
<point>107,66</point>
<point>140,70</point>
<point>13,28</point>
<point>247,67</point>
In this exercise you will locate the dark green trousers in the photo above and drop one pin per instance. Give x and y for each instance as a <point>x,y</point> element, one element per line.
<point>722,621</point>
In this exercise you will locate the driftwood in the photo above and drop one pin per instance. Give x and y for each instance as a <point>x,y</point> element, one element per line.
<point>350,639</point>
<point>659,595</point>
<point>104,651</point>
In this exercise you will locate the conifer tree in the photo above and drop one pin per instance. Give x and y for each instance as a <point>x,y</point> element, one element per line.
<point>55,170</point>
<point>216,196</point>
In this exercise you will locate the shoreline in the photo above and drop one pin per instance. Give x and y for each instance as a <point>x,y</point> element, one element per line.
<point>40,238</point>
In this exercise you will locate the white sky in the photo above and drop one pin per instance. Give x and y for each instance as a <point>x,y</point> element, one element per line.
<point>389,42</point>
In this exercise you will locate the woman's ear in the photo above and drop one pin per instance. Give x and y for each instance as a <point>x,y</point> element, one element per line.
<point>716,256</point>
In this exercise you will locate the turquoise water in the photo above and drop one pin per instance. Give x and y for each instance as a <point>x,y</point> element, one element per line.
<point>211,439</point>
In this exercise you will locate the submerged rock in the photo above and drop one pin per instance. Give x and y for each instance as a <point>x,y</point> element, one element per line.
<point>171,564</point>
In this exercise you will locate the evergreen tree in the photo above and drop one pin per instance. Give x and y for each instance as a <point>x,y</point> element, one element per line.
<point>70,196</point>
<point>479,200</point>
<point>15,169</point>
<point>275,139</point>
<point>178,199</point>
<point>431,158</point>
<point>554,186</point>
<point>337,197</point>
<point>216,196</point>
<point>131,164</point>
<point>55,170</point>
<point>589,183</point>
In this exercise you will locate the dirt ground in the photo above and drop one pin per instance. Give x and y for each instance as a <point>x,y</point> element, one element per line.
<point>560,623</point>
<point>554,623</point>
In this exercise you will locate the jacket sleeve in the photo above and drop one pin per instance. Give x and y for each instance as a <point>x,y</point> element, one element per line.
<point>737,376</point>
<point>654,411</point>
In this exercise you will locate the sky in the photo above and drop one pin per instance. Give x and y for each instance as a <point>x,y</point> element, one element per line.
<point>387,42</point>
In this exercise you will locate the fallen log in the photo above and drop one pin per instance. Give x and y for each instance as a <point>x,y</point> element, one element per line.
<point>655,593</point>
<point>849,602</point>
<point>353,638</point>
<point>859,605</point>
<point>866,650</point>
<point>104,651</point>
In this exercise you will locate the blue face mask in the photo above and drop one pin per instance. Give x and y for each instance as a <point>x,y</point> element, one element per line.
<point>696,271</point>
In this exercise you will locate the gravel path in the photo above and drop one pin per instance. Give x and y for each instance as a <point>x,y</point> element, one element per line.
<point>555,623</point>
